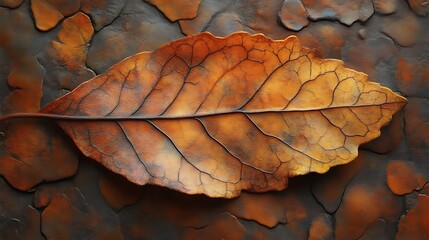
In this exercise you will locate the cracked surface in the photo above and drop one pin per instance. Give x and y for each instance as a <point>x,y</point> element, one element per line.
<point>102,12</point>
<point>415,224</point>
<point>25,80</point>
<point>18,219</point>
<point>394,163</point>
<point>188,9</point>
<point>405,31</point>
<point>360,10</point>
<point>139,27</point>
<point>47,13</point>
<point>64,59</point>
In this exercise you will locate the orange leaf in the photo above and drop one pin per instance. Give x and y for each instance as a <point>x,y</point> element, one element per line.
<point>219,115</point>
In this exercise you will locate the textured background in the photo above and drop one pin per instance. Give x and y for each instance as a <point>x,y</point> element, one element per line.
<point>49,190</point>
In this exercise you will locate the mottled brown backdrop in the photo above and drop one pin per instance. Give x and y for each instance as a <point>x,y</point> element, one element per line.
<point>48,189</point>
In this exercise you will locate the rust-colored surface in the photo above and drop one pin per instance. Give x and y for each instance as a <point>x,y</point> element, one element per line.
<point>415,224</point>
<point>380,195</point>
<point>177,10</point>
<point>47,13</point>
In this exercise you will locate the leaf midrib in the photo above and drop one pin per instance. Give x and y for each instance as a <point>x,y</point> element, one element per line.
<point>118,118</point>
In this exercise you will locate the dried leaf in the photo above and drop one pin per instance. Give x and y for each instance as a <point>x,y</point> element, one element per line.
<point>219,115</point>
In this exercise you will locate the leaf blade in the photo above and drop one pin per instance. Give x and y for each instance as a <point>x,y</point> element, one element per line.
<point>218,115</point>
